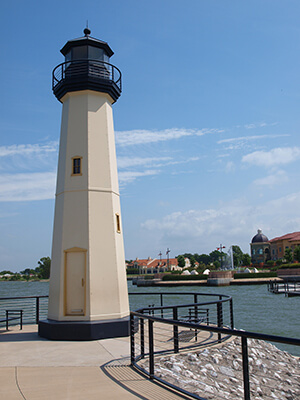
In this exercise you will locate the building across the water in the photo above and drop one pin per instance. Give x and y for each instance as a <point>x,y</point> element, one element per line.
<point>153,266</point>
<point>263,249</point>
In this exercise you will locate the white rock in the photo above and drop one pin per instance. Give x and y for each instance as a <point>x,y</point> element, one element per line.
<point>176,368</point>
<point>236,365</point>
<point>226,371</point>
<point>192,357</point>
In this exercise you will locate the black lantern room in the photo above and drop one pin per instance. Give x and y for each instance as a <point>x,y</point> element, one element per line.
<point>86,67</point>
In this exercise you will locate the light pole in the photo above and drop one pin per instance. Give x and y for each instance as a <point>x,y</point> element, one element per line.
<point>168,260</point>
<point>160,254</point>
<point>220,249</point>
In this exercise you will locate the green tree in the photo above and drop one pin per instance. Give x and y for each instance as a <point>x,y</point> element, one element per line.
<point>203,259</point>
<point>237,255</point>
<point>217,264</point>
<point>6,272</point>
<point>28,271</point>
<point>181,261</point>
<point>246,260</point>
<point>215,256</point>
<point>192,260</point>
<point>297,253</point>
<point>188,255</point>
<point>43,270</point>
<point>288,255</point>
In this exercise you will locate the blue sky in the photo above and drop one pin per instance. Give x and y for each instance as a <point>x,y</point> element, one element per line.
<point>207,127</point>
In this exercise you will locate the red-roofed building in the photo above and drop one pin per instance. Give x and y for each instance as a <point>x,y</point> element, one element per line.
<point>153,266</point>
<point>263,249</point>
<point>279,244</point>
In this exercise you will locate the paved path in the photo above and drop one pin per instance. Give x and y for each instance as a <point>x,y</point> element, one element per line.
<point>33,368</point>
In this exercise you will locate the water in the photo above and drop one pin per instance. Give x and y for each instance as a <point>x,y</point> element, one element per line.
<point>255,309</point>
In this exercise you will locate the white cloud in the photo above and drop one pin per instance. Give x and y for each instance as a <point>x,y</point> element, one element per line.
<point>230,167</point>
<point>250,138</point>
<point>232,223</point>
<point>130,176</point>
<point>135,137</point>
<point>259,125</point>
<point>274,157</point>
<point>156,164</point>
<point>27,187</point>
<point>28,149</point>
<point>275,179</point>
<point>127,162</point>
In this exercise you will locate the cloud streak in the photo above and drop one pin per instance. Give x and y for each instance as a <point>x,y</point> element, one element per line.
<point>138,137</point>
<point>27,187</point>
<point>275,179</point>
<point>273,158</point>
<point>250,138</point>
<point>130,176</point>
<point>236,222</point>
<point>28,149</point>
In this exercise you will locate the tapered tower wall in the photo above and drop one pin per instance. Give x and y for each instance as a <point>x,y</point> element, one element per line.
<point>87,224</point>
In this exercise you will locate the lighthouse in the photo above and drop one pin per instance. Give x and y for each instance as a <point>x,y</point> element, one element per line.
<point>88,296</point>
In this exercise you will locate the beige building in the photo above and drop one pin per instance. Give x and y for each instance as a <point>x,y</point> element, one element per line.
<point>263,249</point>
<point>88,296</point>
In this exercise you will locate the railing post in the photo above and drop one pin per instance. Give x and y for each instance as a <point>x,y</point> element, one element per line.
<point>161,304</point>
<point>245,368</point>
<point>37,310</point>
<point>196,307</point>
<point>220,317</point>
<point>151,349</point>
<point>175,330</point>
<point>231,314</point>
<point>142,326</point>
<point>132,356</point>
<point>21,319</point>
<point>7,320</point>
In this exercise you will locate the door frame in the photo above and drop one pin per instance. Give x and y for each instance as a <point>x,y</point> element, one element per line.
<point>74,250</point>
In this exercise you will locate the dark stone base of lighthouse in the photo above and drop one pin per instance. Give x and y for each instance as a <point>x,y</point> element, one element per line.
<point>84,330</point>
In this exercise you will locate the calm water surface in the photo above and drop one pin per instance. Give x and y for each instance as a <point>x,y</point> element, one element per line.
<point>255,309</point>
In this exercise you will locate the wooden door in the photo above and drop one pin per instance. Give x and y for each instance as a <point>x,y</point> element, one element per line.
<point>75,271</point>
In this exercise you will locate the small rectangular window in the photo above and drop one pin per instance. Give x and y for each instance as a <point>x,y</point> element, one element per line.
<point>118,223</point>
<point>76,166</point>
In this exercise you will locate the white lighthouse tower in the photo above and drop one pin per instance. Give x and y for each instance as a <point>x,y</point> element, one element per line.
<point>88,296</point>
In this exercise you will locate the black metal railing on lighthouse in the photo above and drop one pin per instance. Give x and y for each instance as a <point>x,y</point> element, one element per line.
<point>86,74</point>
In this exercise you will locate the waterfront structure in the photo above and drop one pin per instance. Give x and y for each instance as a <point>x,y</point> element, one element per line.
<point>153,266</point>
<point>279,244</point>
<point>263,249</point>
<point>88,296</point>
<point>260,248</point>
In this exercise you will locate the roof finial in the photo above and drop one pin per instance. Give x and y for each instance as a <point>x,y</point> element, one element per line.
<point>87,31</point>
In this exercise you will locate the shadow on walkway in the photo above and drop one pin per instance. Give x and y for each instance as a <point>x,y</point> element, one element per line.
<point>138,384</point>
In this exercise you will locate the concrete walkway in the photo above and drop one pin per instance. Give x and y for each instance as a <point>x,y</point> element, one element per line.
<point>33,368</point>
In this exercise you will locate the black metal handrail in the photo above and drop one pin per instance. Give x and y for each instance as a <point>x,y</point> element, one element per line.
<point>94,69</point>
<point>33,307</point>
<point>33,303</point>
<point>137,318</point>
<point>195,317</point>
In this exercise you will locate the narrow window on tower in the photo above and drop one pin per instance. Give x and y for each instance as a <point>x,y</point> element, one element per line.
<point>118,223</point>
<point>76,167</point>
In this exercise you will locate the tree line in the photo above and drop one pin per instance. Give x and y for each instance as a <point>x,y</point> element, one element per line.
<point>42,271</point>
<point>215,259</point>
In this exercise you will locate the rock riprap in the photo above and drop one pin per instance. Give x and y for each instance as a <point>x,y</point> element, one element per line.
<point>216,372</point>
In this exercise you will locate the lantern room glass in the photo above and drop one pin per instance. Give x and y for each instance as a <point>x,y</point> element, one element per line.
<point>87,52</point>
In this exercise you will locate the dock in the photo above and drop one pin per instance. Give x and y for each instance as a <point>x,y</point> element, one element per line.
<point>289,289</point>
<point>161,283</point>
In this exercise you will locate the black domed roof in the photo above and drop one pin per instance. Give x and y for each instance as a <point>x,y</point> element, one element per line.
<point>259,237</point>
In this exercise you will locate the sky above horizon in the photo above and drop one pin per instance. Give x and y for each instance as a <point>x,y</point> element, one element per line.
<point>207,127</point>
